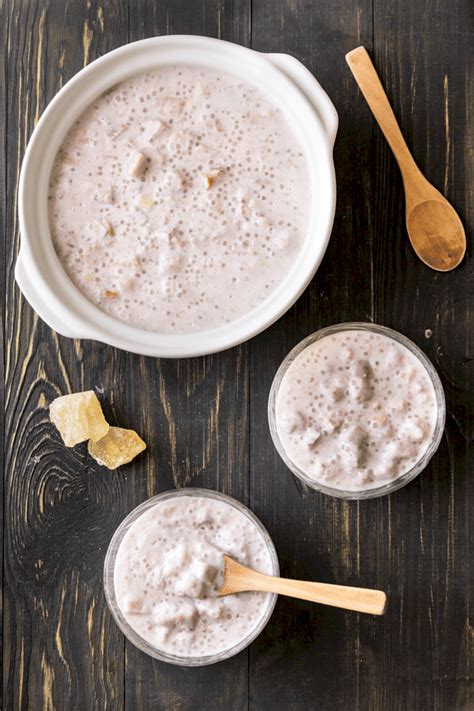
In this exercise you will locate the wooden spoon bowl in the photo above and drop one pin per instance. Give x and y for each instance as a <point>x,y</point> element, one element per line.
<point>439,238</point>
<point>434,228</point>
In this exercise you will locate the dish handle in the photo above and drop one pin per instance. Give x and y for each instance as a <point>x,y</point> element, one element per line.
<point>26,282</point>
<point>311,88</point>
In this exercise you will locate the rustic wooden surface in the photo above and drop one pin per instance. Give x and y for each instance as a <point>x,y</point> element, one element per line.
<point>205,419</point>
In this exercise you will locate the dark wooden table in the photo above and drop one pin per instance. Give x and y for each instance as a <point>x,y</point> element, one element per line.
<point>205,419</point>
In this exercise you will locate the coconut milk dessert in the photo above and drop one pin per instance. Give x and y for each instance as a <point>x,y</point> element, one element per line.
<point>179,200</point>
<point>169,568</point>
<point>355,410</point>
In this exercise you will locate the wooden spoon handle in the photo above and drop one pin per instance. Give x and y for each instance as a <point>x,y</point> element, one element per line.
<point>371,87</point>
<point>358,599</point>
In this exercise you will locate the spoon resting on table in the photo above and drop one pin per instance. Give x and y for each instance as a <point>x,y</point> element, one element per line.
<point>238,578</point>
<point>434,228</point>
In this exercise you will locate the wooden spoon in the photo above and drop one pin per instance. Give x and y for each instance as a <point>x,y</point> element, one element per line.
<point>434,228</point>
<point>238,578</point>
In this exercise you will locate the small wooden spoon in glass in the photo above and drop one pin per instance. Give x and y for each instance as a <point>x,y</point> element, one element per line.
<point>434,228</point>
<point>238,578</point>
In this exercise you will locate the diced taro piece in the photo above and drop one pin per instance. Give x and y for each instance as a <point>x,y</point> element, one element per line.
<point>360,384</point>
<point>78,417</point>
<point>204,515</point>
<point>213,609</point>
<point>119,446</point>
<point>187,616</point>
<point>328,425</point>
<point>171,105</point>
<point>108,196</point>
<point>413,431</point>
<point>200,89</point>
<point>169,262</point>
<point>138,165</point>
<point>337,388</point>
<point>154,131</point>
<point>358,441</point>
<point>395,357</point>
<point>293,422</point>
<point>197,580</point>
<point>310,436</point>
<point>171,615</point>
<point>136,605</point>
<point>174,560</point>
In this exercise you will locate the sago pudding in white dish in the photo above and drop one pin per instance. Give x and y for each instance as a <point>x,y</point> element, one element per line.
<point>356,409</point>
<point>169,567</point>
<point>179,200</point>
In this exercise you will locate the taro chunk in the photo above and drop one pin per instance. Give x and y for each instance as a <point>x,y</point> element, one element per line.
<point>138,165</point>
<point>197,580</point>
<point>78,417</point>
<point>118,447</point>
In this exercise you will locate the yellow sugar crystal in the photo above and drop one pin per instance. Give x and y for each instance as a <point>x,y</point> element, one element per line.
<point>118,447</point>
<point>78,417</point>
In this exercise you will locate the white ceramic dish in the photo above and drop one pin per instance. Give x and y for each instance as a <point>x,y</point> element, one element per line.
<point>39,273</point>
<point>109,585</point>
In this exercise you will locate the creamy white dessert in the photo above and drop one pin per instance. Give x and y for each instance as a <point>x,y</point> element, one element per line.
<point>170,566</point>
<point>355,410</point>
<point>179,200</point>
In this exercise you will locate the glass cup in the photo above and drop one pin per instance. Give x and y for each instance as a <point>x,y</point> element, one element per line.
<point>398,482</point>
<point>109,587</point>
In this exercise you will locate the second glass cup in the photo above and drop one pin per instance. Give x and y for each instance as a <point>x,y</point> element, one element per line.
<point>398,481</point>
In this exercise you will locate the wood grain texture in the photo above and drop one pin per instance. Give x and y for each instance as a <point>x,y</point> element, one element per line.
<point>3,217</point>
<point>205,419</point>
<point>428,522</point>
<point>309,655</point>
<point>61,647</point>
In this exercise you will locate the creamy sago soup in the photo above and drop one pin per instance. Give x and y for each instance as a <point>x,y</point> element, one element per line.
<point>170,567</point>
<point>179,200</point>
<point>355,410</point>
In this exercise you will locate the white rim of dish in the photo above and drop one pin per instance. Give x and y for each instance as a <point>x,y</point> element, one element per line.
<point>109,587</point>
<point>39,272</point>
<point>400,481</point>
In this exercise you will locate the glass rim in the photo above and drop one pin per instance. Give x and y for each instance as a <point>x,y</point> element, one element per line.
<point>109,588</point>
<point>409,475</point>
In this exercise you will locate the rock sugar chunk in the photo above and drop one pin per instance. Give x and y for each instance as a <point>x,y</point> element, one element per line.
<point>118,447</point>
<point>78,417</point>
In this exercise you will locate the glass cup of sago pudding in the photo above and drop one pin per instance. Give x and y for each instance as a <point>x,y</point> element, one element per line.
<point>356,410</point>
<point>165,566</point>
